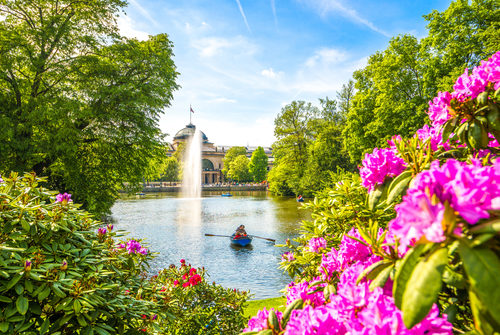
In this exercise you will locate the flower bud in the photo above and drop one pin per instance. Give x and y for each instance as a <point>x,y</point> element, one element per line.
<point>64,265</point>
<point>27,265</point>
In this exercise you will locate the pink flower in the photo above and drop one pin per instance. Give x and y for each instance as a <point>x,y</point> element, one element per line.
<point>435,135</point>
<point>439,108</point>
<point>287,257</point>
<point>306,293</point>
<point>472,190</point>
<point>378,165</point>
<point>317,243</point>
<point>63,198</point>
<point>101,231</point>
<point>259,322</point>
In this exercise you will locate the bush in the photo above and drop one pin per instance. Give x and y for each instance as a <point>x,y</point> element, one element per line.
<point>419,251</point>
<point>62,272</point>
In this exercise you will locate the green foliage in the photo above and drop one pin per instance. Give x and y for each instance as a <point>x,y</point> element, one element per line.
<point>238,169</point>
<point>334,212</point>
<point>205,308</point>
<point>81,104</point>
<point>258,165</point>
<point>60,276</point>
<point>171,170</point>
<point>230,155</point>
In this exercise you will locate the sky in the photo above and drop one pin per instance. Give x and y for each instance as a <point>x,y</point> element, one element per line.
<point>242,61</point>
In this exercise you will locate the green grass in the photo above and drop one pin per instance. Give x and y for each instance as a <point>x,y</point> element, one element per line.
<point>253,306</point>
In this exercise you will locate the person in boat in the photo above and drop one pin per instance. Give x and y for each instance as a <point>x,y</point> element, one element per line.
<point>240,231</point>
<point>300,198</point>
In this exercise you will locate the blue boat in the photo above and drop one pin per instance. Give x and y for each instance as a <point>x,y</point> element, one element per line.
<point>226,195</point>
<point>241,241</point>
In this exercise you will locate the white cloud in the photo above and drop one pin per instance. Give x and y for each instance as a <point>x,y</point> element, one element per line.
<point>145,13</point>
<point>326,7</point>
<point>126,27</point>
<point>269,73</point>
<point>326,56</point>
<point>212,46</point>
<point>223,100</point>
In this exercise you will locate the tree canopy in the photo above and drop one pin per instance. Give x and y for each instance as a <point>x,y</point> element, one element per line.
<point>230,155</point>
<point>81,104</point>
<point>258,165</point>
<point>238,169</point>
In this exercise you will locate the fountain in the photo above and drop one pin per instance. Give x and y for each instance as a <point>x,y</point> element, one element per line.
<point>191,179</point>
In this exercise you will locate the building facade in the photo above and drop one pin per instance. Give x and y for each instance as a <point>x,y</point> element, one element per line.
<point>212,155</point>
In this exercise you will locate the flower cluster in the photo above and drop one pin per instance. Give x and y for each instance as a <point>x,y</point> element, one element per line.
<point>467,86</point>
<point>378,165</point>
<point>357,310</point>
<point>189,278</point>
<point>471,190</point>
<point>133,247</point>
<point>63,198</point>
<point>350,251</point>
<point>259,322</point>
<point>101,231</point>
<point>305,291</point>
<point>316,244</point>
<point>287,256</point>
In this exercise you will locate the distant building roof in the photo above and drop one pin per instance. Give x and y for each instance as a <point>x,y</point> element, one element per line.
<point>187,132</point>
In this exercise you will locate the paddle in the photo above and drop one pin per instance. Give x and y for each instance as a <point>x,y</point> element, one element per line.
<point>217,235</point>
<point>264,238</point>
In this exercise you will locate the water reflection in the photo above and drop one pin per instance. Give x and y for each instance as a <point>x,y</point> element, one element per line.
<point>176,227</point>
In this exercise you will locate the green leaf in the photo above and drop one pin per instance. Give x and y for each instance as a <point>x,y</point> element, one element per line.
<point>447,129</point>
<point>13,281</point>
<point>4,326</point>
<point>403,273</point>
<point>22,305</point>
<point>44,294</point>
<point>5,299</point>
<point>398,185</point>
<point>374,196</point>
<point>482,267</point>
<point>381,278</point>
<point>45,326</point>
<point>423,287</point>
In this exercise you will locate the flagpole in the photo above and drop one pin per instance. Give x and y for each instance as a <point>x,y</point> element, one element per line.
<point>190,114</point>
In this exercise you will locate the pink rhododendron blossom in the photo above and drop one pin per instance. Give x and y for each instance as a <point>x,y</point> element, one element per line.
<point>435,135</point>
<point>317,243</point>
<point>439,108</point>
<point>134,247</point>
<point>470,86</point>
<point>472,190</point>
<point>63,198</point>
<point>378,165</point>
<point>304,292</point>
<point>310,321</point>
<point>287,256</point>
<point>259,322</point>
<point>101,231</point>
<point>350,251</point>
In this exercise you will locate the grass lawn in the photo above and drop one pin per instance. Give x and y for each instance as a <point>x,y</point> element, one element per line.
<point>253,306</point>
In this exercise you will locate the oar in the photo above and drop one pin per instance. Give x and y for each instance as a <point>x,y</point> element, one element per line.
<point>264,238</point>
<point>217,235</point>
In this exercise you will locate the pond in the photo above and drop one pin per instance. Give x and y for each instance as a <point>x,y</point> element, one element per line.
<point>175,228</point>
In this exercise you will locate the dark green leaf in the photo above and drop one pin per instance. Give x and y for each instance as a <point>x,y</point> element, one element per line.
<point>403,273</point>
<point>398,185</point>
<point>423,287</point>
<point>482,267</point>
<point>22,305</point>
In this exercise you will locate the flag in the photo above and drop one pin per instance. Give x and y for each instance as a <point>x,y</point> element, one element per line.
<point>191,108</point>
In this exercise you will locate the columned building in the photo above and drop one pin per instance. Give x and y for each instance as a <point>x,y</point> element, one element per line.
<point>212,156</point>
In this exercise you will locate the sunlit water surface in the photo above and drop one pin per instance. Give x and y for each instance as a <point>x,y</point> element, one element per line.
<point>175,227</point>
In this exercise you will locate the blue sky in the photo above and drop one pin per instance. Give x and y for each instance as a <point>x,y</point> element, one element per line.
<point>241,61</point>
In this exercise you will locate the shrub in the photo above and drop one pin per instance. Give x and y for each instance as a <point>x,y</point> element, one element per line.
<point>62,272</point>
<point>435,267</point>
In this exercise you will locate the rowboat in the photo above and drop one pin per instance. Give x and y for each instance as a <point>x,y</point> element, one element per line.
<point>241,241</point>
<point>226,195</point>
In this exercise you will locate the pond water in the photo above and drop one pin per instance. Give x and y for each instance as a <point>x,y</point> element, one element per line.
<point>175,227</point>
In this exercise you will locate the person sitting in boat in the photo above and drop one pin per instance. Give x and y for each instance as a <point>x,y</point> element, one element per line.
<point>240,231</point>
<point>300,198</point>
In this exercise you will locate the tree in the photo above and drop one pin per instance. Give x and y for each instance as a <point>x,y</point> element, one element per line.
<point>392,95</point>
<point>231,154</point>
<point>171,170</point>
<point>258,165</point>
<point>344,98</point>
<point>238,170</point>
<point>80,103</point>
<point>463,35</point>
